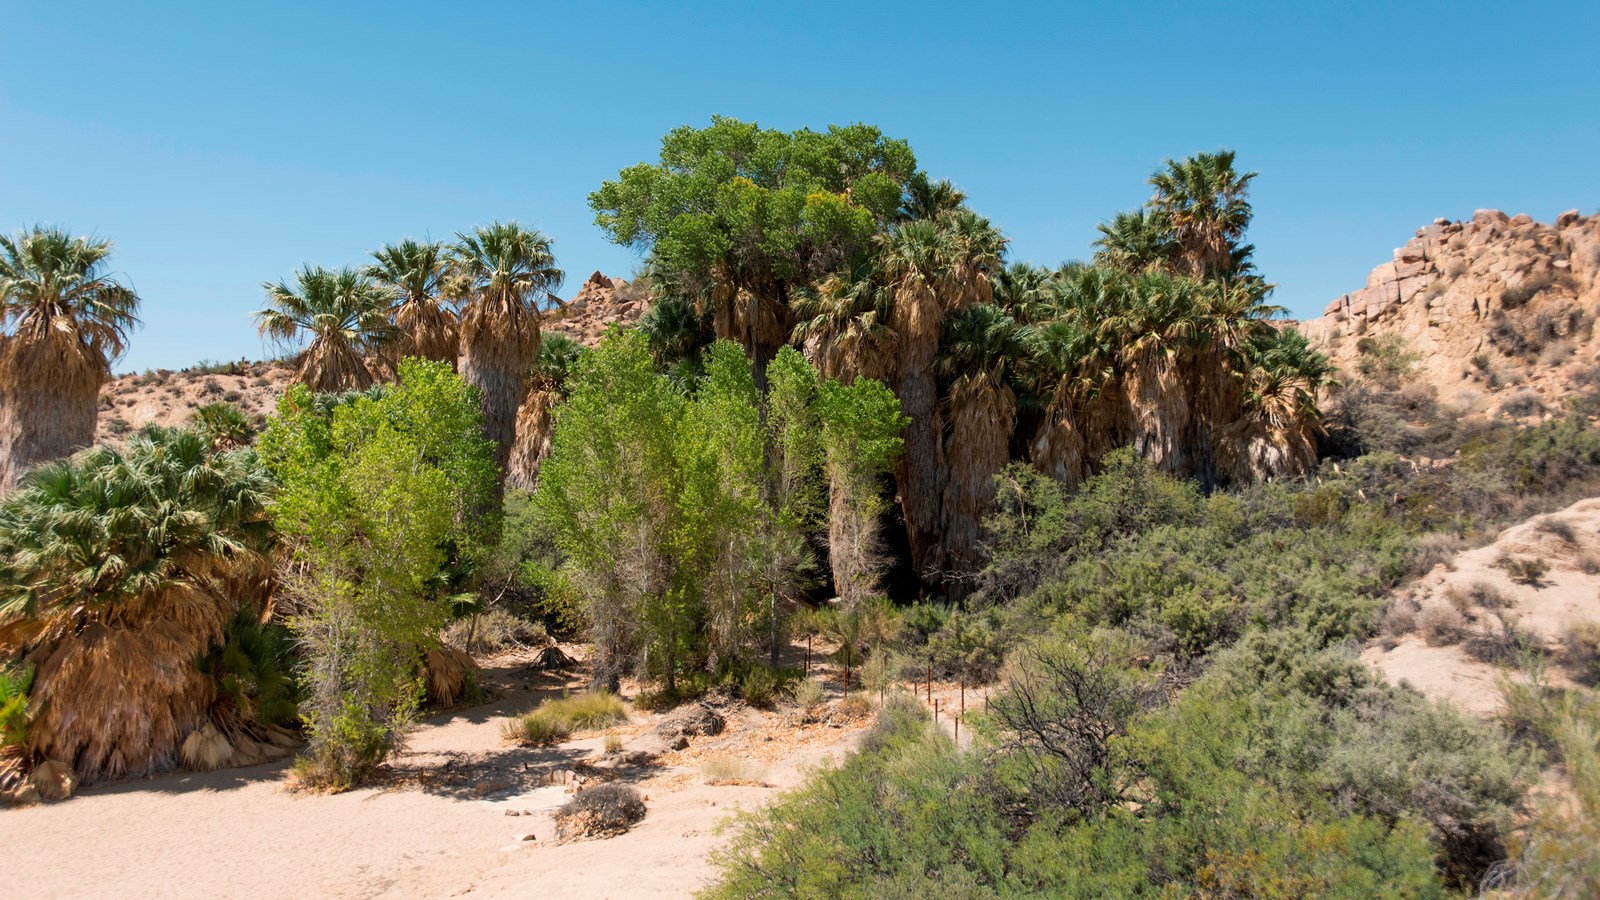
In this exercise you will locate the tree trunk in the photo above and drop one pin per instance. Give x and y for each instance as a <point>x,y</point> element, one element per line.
<point>49,404</point>
<point>501,373</point>
<point>921,474</point>
<point>982,415</point>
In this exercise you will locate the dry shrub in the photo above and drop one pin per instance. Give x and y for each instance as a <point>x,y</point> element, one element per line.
<point>1559,529</point>
<point>1433,549</point>
<point>732,770</point>
<point>495,631</point>
<point>1441,624</point>
<point>613,743</point>
<point>1486,595</point>
<point>1555,354</point>
<point>1587,562</point>
<point>1526,570</point>
<point>1582,645</point>
<point>1522,404</point>
<point>606,810</point>
<point>1399,619</point>
<point>1508,646</point>
<point>808,694</point>
<point>451,675</point>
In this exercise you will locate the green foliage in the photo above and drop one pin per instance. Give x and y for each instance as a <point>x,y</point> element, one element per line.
<point>685,522</point>
<point>381,494</point>
<point>554,720</point>
<point>14,684</point>
<point>254,669</point>
<point>1386,359</point>
<point>1140,549</point>
<point>776,205</point>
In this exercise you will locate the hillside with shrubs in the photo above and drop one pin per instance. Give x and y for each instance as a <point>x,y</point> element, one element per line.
<point>966,576</point>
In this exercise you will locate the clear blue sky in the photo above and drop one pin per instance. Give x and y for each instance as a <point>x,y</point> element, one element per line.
<point>221,145</point>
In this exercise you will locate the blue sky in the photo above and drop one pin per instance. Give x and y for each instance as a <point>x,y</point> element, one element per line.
<point>221,145</point>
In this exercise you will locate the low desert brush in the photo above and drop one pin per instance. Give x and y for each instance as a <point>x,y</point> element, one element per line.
<point>1526,570</point>
<point>553,721</point>
<point>808,694</point>
<point>613,743</point>
<point>602,811</point>
<point>732,770</point>
<point>1441,624</point>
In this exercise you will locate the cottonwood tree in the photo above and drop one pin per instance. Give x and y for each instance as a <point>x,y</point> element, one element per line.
<point>379,493</point>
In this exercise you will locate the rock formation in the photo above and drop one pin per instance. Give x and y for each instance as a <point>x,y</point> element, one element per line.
<point>1496,309</point>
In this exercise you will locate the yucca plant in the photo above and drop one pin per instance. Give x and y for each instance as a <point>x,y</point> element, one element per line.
<point>63,320</point>
<point>118,569</point>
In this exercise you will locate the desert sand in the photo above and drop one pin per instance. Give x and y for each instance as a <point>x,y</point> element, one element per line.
<point>453,819</point>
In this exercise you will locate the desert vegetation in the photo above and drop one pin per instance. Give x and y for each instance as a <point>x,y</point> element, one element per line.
<point>851,447</point>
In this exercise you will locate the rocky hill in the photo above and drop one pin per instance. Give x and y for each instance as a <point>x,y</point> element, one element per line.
<point>1497,313</point>
<point>168,397</point>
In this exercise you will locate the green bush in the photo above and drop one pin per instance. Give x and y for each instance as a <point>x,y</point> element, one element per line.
<point>14,684</point>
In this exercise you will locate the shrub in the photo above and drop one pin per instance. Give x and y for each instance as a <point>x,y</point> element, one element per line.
<point>1399,619</point>
<point>1581,644</point>
<point>14,682</point>
<point>1487,596</point>
<point>1441,624</point>
<point>1560,529</point>
<point>118,426</point>
<point>605,810</point>
<point>535,730</point>
<point>494,631</point>
<point>613,743</point>
<point>763,686</point>
<point>1526,570</point>
<point>1587,562</point>
<point>1386,359</point>
<point>724,769</point>
<point>809,694</point>
<point>588,711</point>
<point>1522,404</point>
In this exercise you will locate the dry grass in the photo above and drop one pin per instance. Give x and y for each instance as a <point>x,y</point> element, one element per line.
<point>725,769</point>
<point>1441,624</point>
<point>555,720</point>
<point>613,743</point>
<point>495,631</point>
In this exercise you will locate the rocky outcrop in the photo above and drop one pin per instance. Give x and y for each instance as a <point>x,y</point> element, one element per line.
<point>1494,307</point>
<point>599,303</point>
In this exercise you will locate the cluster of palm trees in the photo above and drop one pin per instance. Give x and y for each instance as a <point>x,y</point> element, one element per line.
<point>1164,342</point>
<point>478,300</point>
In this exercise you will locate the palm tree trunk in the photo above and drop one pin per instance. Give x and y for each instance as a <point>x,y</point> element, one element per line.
<point>982,415</point>
<point>49,404</point>
<point>500,371</point>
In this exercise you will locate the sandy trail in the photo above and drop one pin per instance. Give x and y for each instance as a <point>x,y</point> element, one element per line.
<point>441,829</point>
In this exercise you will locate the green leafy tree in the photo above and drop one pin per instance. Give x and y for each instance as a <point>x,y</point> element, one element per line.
<point>380,493</point>
<point>744,216</point>
<point>608,494</point>
<point>861,440</point>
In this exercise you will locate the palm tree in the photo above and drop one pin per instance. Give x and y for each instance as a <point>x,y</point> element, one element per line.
<point>1135,241</point>
<point>982,346</point>
<point>119,568</point>
<point>557,360</point>
<point>415,272</point>
<point>930,268</point>
<point>843,325</point>
<point>345,315</point>
<point>1202,201</point>
<point>502,272</point>
<point>65,320</point>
